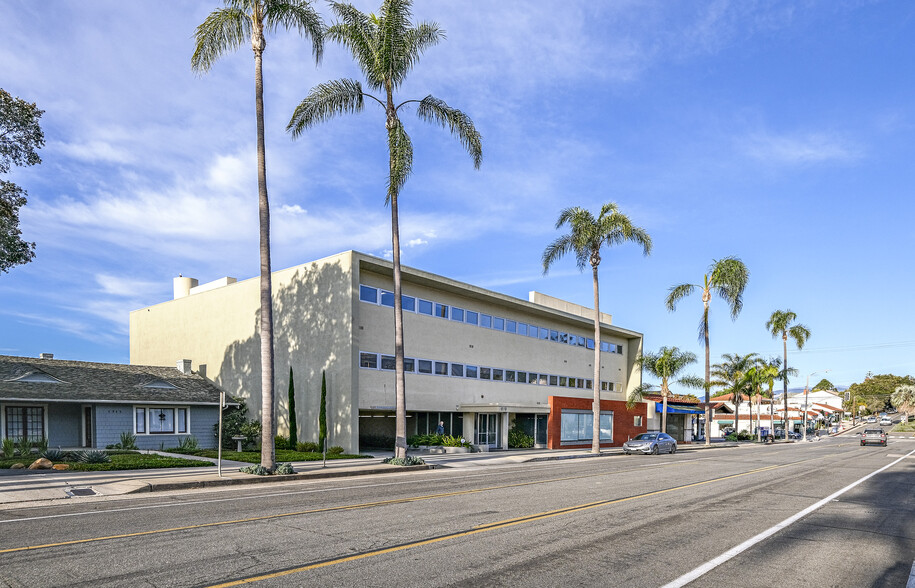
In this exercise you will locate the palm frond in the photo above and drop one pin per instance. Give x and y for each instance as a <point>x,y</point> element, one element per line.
<point>358,33</point>
<point>692,382</point>
<point>325,101</point>
<point>298,15</point>
<point>678,293</point>
<point>800,334</point>
<point>401,162</point>
<point>555,250</point>
<point>779,321</point>
<point>637,395</point>
<point>223,30</point>
<point>729,278</point>
<point>431,109</point>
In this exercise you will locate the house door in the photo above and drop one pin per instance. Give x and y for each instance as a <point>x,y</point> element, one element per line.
<point>487,431</point>
<point>87,426</point>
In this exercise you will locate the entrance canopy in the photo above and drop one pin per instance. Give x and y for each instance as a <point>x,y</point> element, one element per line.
<point>678,409</point>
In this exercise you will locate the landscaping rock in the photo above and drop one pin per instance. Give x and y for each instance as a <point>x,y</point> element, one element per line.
<point>17,466</point>
<point>42,463</point>
<point>61,466</point>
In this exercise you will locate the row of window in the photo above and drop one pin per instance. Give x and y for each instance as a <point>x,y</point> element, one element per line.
<point>375,361</point>
<point>577,426</point>
<point>151,420</point>
<point>374,295</point>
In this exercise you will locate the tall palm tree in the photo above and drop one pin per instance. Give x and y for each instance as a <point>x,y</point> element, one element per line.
<point>665,365</point>
<point>763,373</point>
<point>903,397</point>
<point>780,323</point>
<point>731,375</point>
<point>586,237</point>
<point>386,47</point>
<point>728,278</point>
<point>224,30</point>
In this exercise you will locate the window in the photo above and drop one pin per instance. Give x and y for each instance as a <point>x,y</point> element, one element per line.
<point>531,378</point>
<point>563,337</point>
<point>509,375</point>
<point>590,344</point>
<point>457,370</point>
<point>486,321</point>
<point>619,349</point>
<point>25,421</point>
<point>511,326</point>
<point>637,420</point>
<point>441,368</point>
<point>522,377</point>
<point>581,382</point>
<point>368,294</point>
<point>408,303</point>
<point>388,362</point>
<point>610,386</point>
<point>603,386</point>
<point>387,298</point>
<point>425,307</point>
<point>441,310</point>
<point>470,371</point>
<point>605,347</point>
<point>577,426</point>
<point>581,341</point>
<point>532,331</point>
<point>161,420</point>
<point>544,333</point>
<point>554,380</point>
<point>140,419</point>
<point>498,324</point>
<point>368,360</point>
<point>181,419</point>
<point>563,381</point>
<point>589,384</point>
<point>542,381</point>
<point>522,328</point>
<point>485,373</point>
<point>554,336</point>
<point>408,364</point>
<point>425,366</point>
<point>497,375</point>
<point>473,318</point>
<point>457,314</point>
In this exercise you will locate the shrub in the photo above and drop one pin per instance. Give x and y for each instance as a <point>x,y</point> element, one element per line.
<point>417,440</point>
<point>128,441</point>
<point>42,445</point>
<point>9,448</point>
<point>307,447</point>
<point>335,450</point>
<point>284,469</point>
<point>53,454</point>
<point>744,436</point>
<point>235,422</point>
<point>405,461</point>
<point>518,438</point>
<point>453,441</point>
<point>24,446</point>
<point>281,442</point>
<point>91,456</point>
<point>188,445</point>
<point>732,437</point>
<point>256,469</point>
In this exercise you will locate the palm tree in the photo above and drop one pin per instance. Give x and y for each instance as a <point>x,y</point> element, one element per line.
<point>903,397</point>
<point>731,375</point>
<point>227,29</point>
<point>728,278</point>
<point>386,47</point>
<point>764,373</point>
<point>586,237</point>
<point>666,364</point>
<point>780,323</point>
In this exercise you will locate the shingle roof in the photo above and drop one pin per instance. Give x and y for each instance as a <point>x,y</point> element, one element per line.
<point>81,381</point>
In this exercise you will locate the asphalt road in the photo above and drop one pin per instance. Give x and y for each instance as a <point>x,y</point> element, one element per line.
<point>610,521</point>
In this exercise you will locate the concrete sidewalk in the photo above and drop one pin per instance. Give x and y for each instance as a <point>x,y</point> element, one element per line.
<point>19,487</point>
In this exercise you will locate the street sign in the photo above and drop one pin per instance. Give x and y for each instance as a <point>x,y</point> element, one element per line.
<point>847,396</point>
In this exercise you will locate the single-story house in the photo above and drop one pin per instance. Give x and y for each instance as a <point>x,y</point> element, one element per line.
<point>85,404</point>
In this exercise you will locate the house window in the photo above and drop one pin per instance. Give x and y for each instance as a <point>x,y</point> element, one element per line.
<point>181,419</point>
<point>161,420</point>
<point>576,426</point>
<point>637,420</point>
<point>368,294</point>
<point>25,421</point>
<point>140,418</point>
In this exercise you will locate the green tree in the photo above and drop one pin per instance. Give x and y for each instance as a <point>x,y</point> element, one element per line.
<point>665,365</point>
<point>877,391</point>
<point>731,375</point>
<point>781,323</point>
<point>728,278</point>
<point>20,138</point>
<point>763,374</point>
<point>322,414</point>
<point>586,237</point>
<point>903,397</point>
<point>226,29</point>
<point>823,384</point>
<point>293,426</point>
<point>386,47</point>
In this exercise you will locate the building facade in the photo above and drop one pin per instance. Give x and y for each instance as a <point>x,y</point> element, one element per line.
<point>481,362</point>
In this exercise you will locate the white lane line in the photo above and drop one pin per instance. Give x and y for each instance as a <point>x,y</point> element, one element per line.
<point>911,582</point>
<point>727,555</point>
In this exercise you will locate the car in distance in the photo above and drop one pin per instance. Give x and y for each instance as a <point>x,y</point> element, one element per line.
<point>886,422</point>
<point>650,443</point>
<point>872,419</point>
<point>873,437</point>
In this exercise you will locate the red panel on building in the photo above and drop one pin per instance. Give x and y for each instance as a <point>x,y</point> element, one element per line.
<point>623,420</point>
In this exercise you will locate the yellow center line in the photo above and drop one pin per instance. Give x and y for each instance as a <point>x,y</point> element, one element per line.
<point>488,527</point>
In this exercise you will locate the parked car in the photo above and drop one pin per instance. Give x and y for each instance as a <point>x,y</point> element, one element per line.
<point>651,443</point>
<point>886,422</point>
<point>780,434</point>
<point>873,437</point>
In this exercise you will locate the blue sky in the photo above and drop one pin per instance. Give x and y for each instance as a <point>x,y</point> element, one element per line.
<point>779,132</point>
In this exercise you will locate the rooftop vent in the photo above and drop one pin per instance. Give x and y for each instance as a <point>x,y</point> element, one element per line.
<point>46,356</point>
<point>184,366</point>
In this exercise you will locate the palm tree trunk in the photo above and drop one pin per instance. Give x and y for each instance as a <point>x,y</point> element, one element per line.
<point>785,383</point>
<point>706,297</point>
<point>736,413</point>
<point>664,392</point>
<point>268,421</point>
<point>400,383</point>
<point>595,439</point>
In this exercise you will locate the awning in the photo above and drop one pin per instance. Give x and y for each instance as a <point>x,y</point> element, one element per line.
<point>724,422</point>
<point>658,407</point>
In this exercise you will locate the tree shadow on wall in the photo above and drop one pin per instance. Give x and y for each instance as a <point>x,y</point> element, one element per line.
<point>312,319</point>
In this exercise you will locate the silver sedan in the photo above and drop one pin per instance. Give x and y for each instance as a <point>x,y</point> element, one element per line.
<point>651,443</point>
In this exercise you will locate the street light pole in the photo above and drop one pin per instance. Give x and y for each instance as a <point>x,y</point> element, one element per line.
<point>806,388</point>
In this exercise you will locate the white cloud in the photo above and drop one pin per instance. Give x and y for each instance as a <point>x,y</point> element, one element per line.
<point>294,210</point>
<point>801,148</point>
<point>95,152</point>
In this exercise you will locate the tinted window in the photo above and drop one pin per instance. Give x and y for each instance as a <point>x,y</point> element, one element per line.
<point>408,303</point>
<point>485,373</point>
<point>485,321</point>
<point>387,362</point>
<point>424,366</point>
<point>522,328</point>
<point>368,360</point>
<point>497,375</point>
<point>441,368</point>
<point>425,307</point>
<point>498,324</point>
<point>509,376</point>
<point>441,310</point>
<point>368,294</point>
<point>457,314</point>
<point>470,371</point>
<point>408,364</point>
<point>472,318</point>
<point>387,298</point>
<point>457,370</point>
<point>511,326</point>
<point>544,333</point>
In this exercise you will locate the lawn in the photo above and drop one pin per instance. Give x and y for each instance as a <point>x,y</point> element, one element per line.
<point>119,461</point>
<point>282,455</point>
<point>904,428</point>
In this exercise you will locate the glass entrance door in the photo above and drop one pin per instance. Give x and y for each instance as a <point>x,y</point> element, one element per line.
<point>487,430</point>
